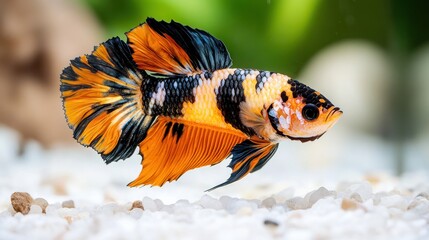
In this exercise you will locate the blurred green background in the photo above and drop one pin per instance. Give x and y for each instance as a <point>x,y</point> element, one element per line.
<point>279,34</point>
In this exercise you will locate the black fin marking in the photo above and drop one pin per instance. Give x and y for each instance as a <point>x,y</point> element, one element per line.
<point>205,51</point>
<point>246,153</point>
<point>102,103</point>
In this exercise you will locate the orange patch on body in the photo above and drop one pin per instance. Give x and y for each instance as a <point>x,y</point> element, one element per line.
<point>268,94</point>
<point>205,110</point>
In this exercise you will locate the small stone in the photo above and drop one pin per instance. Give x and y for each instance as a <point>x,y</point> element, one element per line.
<point>149,204</point>
<point>393,201</point>
<point>418,201</point>
<point>315,196</point>
<point>52,209</point>
<point>424,195</point>
<point>297,203</point>
<point>356,197</point>
<point>136,213</point>
<point>349,204</point>
<point>68,204</point>
<point>42,203</point>
<point>271,223</point>
<point>35,209</point>
<point>269,202</point>
<point>363,189</point>
<point>137,204</point>
<point>21,202</point>
<point>207,201</point>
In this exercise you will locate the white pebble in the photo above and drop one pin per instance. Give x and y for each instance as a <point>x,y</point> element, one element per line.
<point>269,202</point>
<point>318,194</point>
<point>297,203</point>
<point>35,209</point>
<point>136,213</point>
<point>52,209</point>
<point>207,201</point>
<point>394,201</point>
<point>149,204</point>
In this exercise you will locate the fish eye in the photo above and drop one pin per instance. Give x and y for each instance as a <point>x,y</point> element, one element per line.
<point>310,112</point>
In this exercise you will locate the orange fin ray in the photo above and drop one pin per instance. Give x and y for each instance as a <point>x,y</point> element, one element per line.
<point>171,49</point>
<point>247,157</point>
<point>174,146</point>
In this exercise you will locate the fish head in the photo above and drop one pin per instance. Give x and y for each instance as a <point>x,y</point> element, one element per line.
<point>301,113</point>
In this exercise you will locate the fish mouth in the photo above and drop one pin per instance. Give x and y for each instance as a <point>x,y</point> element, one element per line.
<point>332,112</point>
<point>306,139</point>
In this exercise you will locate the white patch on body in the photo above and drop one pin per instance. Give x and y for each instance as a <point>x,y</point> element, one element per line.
<point>273,113</point>
<point>299,116</point>
<point>284,123</point>
<point>277,105</point>
<point>158,97</point>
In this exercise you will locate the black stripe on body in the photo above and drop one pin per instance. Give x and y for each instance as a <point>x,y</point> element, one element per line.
<point>308,94</point>
<point>274,120</point>
<point>229,95</point>
<point>177,91</point>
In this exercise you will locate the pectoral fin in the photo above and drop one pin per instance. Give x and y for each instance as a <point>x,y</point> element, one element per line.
<point>249,156</point>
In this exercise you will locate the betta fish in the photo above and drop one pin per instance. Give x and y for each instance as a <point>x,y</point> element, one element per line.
<point>170,91</point>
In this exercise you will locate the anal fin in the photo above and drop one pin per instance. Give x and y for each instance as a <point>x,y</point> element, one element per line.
<point>247,157</point>
<point>174,146</point>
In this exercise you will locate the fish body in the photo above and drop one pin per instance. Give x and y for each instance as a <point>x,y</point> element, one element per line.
<point>171,91</point>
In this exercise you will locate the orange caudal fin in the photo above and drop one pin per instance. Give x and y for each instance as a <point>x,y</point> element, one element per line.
<point>174,146</point>
<point>102,100</point>
<point>168,49</point>
<point>247,157</point>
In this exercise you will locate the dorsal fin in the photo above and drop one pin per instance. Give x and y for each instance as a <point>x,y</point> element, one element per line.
<point>169,49</point>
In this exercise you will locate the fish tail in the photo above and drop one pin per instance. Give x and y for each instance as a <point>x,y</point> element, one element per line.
<point>102,100</point>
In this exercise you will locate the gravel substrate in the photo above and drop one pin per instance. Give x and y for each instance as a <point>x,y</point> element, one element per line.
<point>71,194</point>
<point>352,211</point>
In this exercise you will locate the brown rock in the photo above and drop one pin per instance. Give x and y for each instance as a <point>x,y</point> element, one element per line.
<point>42,203</point>
<point>37,40</point>
<point>21,202</point>
<point>68,204</point>
<point>137,204</point>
